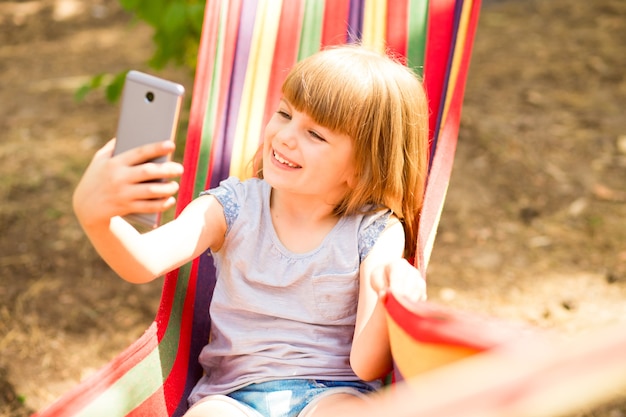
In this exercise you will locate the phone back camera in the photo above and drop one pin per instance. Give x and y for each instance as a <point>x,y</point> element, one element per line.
<point>149,96</point>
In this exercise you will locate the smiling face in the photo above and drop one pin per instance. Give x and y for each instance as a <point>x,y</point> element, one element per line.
<point>302,157</point>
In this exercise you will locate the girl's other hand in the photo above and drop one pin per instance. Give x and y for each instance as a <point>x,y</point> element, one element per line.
<point>123,184</point>
<point>401,279</point>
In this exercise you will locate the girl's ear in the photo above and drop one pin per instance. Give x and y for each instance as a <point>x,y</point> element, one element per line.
<point>352,179</point>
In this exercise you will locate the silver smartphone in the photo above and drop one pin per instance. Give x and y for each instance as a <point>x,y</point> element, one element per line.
<point>149,113</point>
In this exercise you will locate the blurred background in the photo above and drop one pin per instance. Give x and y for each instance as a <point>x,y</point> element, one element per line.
<point>533,230</point>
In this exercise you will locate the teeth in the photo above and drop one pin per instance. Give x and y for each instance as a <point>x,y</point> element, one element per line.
<point>284,161</point>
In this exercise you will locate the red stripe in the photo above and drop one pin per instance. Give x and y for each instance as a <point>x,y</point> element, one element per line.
<point>335,25</point>
<point>397,27</point>
<point>285,52</point>
<point>167,301</point>
<point>440,26</point>
<point>204,69</point>
<point>429,323</point>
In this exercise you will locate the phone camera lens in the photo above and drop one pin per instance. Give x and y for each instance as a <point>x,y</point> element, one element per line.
<point>149,96</point>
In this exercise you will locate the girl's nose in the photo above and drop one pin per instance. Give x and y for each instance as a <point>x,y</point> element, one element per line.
<point>287,137</point>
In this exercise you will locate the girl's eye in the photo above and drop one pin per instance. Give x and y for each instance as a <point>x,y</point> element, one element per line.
<point>284,114</point>
<point>316,136</point>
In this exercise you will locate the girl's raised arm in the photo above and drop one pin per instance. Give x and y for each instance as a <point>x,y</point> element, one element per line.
<point>383,270</point>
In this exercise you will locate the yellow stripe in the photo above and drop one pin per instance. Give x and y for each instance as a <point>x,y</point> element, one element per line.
<point>456,58</point>
<point>250,118</point>
<point>375,25</point>
<point>413,357</point>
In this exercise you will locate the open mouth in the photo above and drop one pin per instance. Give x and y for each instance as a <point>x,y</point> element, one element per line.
<point>284,161</point>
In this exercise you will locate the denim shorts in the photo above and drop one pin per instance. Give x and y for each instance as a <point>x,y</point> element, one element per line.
<point>287,397</point>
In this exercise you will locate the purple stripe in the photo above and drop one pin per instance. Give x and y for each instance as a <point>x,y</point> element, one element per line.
<point>205,284</point>
<point>228,124</point>
<point>355,21</point>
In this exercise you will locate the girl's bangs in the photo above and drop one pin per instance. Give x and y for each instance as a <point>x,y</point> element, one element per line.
<point>307,89</point>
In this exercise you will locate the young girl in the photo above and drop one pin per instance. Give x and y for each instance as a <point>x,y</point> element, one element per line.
<point>321,230</point>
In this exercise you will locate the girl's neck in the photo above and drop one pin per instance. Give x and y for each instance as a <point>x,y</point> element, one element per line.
<point>301,223</point>
<point>301,208</point>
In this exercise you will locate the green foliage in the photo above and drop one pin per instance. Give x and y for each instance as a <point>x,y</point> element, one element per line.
<point>177,27</point>
<point>112,85</point>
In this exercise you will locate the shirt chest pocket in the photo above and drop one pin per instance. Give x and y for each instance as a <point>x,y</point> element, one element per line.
<point>336,295</point>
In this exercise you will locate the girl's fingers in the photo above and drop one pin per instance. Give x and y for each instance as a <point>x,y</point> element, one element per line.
<point>142,154</point>
<point>401,279</point>
<point>412,288</point>
<point>152,171</point>
<point>144,197</point>
<point>154,190</point>
<point>380,280</point>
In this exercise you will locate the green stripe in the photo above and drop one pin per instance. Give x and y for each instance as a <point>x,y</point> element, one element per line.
<point>311,34</point>
<point>168,346</point>
<point>418,30</point>
<point>208,125</point>
<point>133,388</point>
<point>140,382</point>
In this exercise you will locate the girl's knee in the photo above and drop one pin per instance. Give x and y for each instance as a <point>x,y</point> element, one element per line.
<point>336,404</point>
<point>219,406</point>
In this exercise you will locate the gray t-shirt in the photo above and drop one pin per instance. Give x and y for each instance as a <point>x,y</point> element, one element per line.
<point>278,314</point>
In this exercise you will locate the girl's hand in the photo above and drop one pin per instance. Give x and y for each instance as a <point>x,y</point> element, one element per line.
<point>401,279</point>
<point>119,185</point>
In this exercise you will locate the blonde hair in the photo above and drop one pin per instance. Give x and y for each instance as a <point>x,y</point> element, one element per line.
<point>382,106</point>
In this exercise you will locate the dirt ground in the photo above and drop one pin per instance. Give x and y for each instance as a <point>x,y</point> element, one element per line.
<point>533,228</point>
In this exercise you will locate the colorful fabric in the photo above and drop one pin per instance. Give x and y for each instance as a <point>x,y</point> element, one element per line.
<point>425,336</point>
<point>246,48</point>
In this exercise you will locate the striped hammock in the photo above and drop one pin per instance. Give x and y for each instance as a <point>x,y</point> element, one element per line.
<point>245,49</point>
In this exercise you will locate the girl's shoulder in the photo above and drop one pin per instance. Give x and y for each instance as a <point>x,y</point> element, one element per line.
<point>371,226</point>
<point>236,196</point>
<point>372,216</point>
